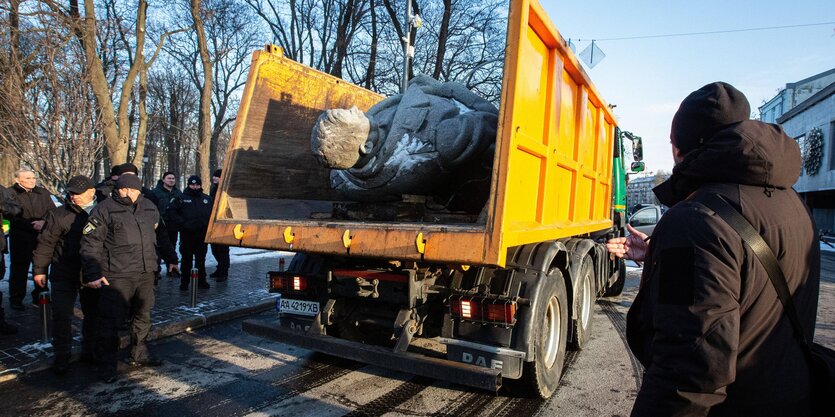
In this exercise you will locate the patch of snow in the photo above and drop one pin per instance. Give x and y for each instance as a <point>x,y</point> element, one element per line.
<point>406,156</point>
<point>35,347</point>
<point>462,108</point>
<point>827,248</point>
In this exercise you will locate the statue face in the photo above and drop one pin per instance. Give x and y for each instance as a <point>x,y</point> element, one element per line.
<point>340,137</point>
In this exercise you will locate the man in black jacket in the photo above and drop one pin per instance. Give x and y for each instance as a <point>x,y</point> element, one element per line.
<point>59,244</point>
<point>119,256</point>
<point>34,202</point>
<point>8,207</point>
<point>706,322</point>
<point>191,212</point>
<point>105,188</point>
<point>219,251</point>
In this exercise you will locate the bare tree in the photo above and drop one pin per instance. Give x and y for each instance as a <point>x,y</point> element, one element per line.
<point>49,121</point>
<point>172,105</point>
<point>230,37</point>
<point>205,116</point>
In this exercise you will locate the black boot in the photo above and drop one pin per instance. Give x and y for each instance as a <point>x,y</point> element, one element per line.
<point>203,284</point>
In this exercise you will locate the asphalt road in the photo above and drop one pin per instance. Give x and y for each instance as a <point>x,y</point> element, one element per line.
<point>222,371</point>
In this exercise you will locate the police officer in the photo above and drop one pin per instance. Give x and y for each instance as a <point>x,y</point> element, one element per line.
<point>105,188</point>
<point>191,212</point>
<point>119,256</point>
<point>219,251</point>
<point>34,202</point>
<point>8,207</point>
<point>58,245</point>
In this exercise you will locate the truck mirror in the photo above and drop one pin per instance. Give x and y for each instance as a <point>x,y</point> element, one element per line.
<point>637,167</point>
<point>637,149</point>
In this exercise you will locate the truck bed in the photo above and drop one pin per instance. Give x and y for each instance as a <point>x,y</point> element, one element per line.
<point>552,172</point>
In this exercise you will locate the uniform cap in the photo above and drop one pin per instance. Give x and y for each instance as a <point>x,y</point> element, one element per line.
<point>79,184</point>
<point>705,112</point>
<point>129,181</point>
<point>194,179</point>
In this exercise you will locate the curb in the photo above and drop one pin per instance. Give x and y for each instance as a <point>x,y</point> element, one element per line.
<point>157,332</point>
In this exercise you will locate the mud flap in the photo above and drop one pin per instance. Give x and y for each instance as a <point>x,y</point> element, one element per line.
<point>509,366</point>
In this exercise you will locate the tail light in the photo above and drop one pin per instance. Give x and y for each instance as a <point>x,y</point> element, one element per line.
<point>478,309</point>
<point>285,283</point>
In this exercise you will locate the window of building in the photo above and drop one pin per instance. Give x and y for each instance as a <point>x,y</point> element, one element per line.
<point>801,141</point>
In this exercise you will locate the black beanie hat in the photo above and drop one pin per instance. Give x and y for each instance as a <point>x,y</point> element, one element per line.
<point>705,112</point>
<point>129,181</point>
<point>128,167</point>
<point>216,173</point>
<point>114,171</point>
<point>194,179</point>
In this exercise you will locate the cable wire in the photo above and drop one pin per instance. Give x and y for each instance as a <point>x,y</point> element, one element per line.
<point>672,35</point>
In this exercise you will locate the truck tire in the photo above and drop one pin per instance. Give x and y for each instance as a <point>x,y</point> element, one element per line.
<point>617,287</point>
<point>541,376</point>
<point>583,305</point>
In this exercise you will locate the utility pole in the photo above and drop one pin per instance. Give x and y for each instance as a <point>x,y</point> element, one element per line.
<point>408,48</point>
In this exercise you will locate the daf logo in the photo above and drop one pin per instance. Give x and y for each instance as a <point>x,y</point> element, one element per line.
<point>467,357</point>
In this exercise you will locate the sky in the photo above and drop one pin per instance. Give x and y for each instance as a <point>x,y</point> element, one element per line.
<point>647,78</point>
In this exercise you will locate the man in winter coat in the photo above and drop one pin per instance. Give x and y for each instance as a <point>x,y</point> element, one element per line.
<point>105,188</point>
<point>34,202</point>
<point>219,251</point>
<point>59,245</point>
<point>119,256</point>
<point>707,323</point>
<point>167,192</point>
<point>191,212</point>
<point>8,207</point>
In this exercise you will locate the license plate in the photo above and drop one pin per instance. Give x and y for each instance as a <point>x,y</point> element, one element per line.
<point>301,307</point>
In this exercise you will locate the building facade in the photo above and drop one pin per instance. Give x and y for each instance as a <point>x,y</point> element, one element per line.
<point>639,191</point>
<point>794,94</point>
<point>812,124</point>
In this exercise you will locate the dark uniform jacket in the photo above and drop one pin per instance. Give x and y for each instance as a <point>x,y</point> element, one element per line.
<point>192,211</point>
<point>59,243</point>
<point>120,239</point>
<point>707,323</point>
<point>33,205</point>
<point>165,197</point>
<point>9,208</point>
<point>104,189</point>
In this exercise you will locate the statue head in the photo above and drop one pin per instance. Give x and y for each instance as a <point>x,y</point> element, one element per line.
<point>339,138</point>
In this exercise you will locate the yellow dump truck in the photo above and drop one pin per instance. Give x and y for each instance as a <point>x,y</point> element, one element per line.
<point>474,299</point>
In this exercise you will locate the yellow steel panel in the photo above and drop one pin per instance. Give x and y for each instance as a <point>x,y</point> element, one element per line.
<point>523,198</point>
<point>568,104</point>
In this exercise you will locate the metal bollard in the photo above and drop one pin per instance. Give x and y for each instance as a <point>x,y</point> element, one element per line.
<point>281,264</point>
<point>43,303</point>
<point>193,287</point>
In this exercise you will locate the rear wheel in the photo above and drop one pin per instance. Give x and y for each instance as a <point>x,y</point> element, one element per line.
<point>542,375</point>
<point>583,305</point>
<point>617,287</point>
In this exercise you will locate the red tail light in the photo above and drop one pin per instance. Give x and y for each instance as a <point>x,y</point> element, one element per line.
<point>288,283</point>
<point>501,312</point>
<point>484,310</point>
<point>299,283</point>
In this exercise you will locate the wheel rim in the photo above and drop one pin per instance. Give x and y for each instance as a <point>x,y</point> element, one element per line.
<point>552,332</point>
<point>585,299</point>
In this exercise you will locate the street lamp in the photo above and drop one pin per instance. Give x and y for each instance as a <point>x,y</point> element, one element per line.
<point>145,160</point>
